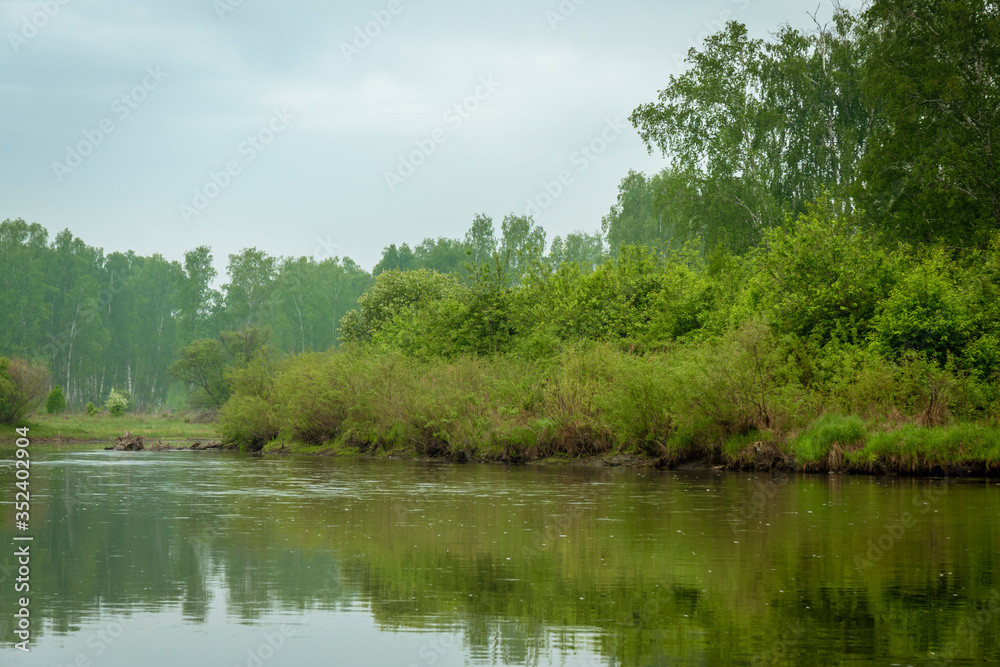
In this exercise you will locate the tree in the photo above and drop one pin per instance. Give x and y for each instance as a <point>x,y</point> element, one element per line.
<point>118,402</point>
<point>25,291</point>
<point>196,294</point>
<point>632,219</point>
<point>754,130</point>
<point>480,240</point>
<point>934,74</point>
<point>395,259</point>
<point>56,402</point>
<point>581,248</point>
<point>202,367</point>
<point>206,364</point>
<point>248,292</point>
<point>522,246</point>
<point>396,295</point>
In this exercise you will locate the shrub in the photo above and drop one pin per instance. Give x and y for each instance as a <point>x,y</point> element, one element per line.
<point>247,419</point>
<point>818,277</point>
<point>56,402</point>
<point>117,403</point>
<point>927,313</point>
<point>92,409</point>
<point>22,389</point>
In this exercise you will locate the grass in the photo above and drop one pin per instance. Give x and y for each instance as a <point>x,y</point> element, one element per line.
<point>813,447</point>
<point>915,449</point>
<point>82,427</point>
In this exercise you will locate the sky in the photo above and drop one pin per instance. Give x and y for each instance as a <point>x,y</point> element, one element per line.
<point>310,128</point>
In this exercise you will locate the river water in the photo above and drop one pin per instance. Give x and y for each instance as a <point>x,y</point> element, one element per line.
<point>219,559</point>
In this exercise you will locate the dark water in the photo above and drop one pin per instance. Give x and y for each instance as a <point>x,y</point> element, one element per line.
<point>219,559</point>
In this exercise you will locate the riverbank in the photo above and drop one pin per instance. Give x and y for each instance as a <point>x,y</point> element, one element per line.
<point>102,427</point>
<point>832,444</point>
<point>748,401</point>
<point>957,449</point>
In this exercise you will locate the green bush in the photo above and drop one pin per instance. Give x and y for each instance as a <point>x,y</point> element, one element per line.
<point>818,277</point>
<point>22,389</point>
<point>117,403</point>
<point>92,409</point>
<point>56,402</point>
<point>926,313</point>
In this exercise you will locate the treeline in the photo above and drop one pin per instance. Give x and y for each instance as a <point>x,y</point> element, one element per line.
<point>814,276</point>
<point>99,322</point>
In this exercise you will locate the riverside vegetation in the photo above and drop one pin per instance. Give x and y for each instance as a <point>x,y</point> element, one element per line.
<point>819,348</point>
<point>813,280</point>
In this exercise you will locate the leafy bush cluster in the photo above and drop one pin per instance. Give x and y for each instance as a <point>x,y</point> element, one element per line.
<point>118,402</point>
<point>22,389</point>
<point>56,402</point>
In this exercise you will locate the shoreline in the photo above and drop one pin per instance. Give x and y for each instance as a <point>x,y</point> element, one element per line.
<point>964,449</point>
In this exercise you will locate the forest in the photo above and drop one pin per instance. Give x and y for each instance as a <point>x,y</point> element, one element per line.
<point>813,276</point>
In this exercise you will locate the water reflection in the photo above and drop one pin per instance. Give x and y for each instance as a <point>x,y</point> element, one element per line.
<point>318,561</point>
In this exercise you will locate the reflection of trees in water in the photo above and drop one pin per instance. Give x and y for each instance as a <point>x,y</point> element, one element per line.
<point>518,582</point>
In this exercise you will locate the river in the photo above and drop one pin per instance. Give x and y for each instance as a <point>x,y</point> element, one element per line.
<point>220,559</point>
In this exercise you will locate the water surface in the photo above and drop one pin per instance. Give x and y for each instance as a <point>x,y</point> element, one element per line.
<point>211,558</point>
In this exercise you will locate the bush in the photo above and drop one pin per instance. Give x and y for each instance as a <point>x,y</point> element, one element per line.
<point>926,313</point>
<point>818,277</point>
<point>92,409</point>
<point>22,389</point>
<point>117,403</point>
<point>56,402</point>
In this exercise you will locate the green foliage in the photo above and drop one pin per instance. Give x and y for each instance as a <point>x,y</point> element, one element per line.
<point>91,409</point>
<point>934,75</point>
<point>752,129</point>
<point>819,278</point>
<point>388,311</point>
<point>247,418</point>
<point>926,313</point>
<point>204,364</point>
<point>22,389</point>
<point>914,448</point>
<point>117,403</point>
<point>56,402</point>
<point>813,445</point>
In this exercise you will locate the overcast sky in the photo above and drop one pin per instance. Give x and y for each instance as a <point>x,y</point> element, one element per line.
<point>162,126</point>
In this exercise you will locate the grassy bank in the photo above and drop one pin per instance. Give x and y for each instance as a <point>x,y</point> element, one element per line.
<point>740,402</point>
<point>83,427</point>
